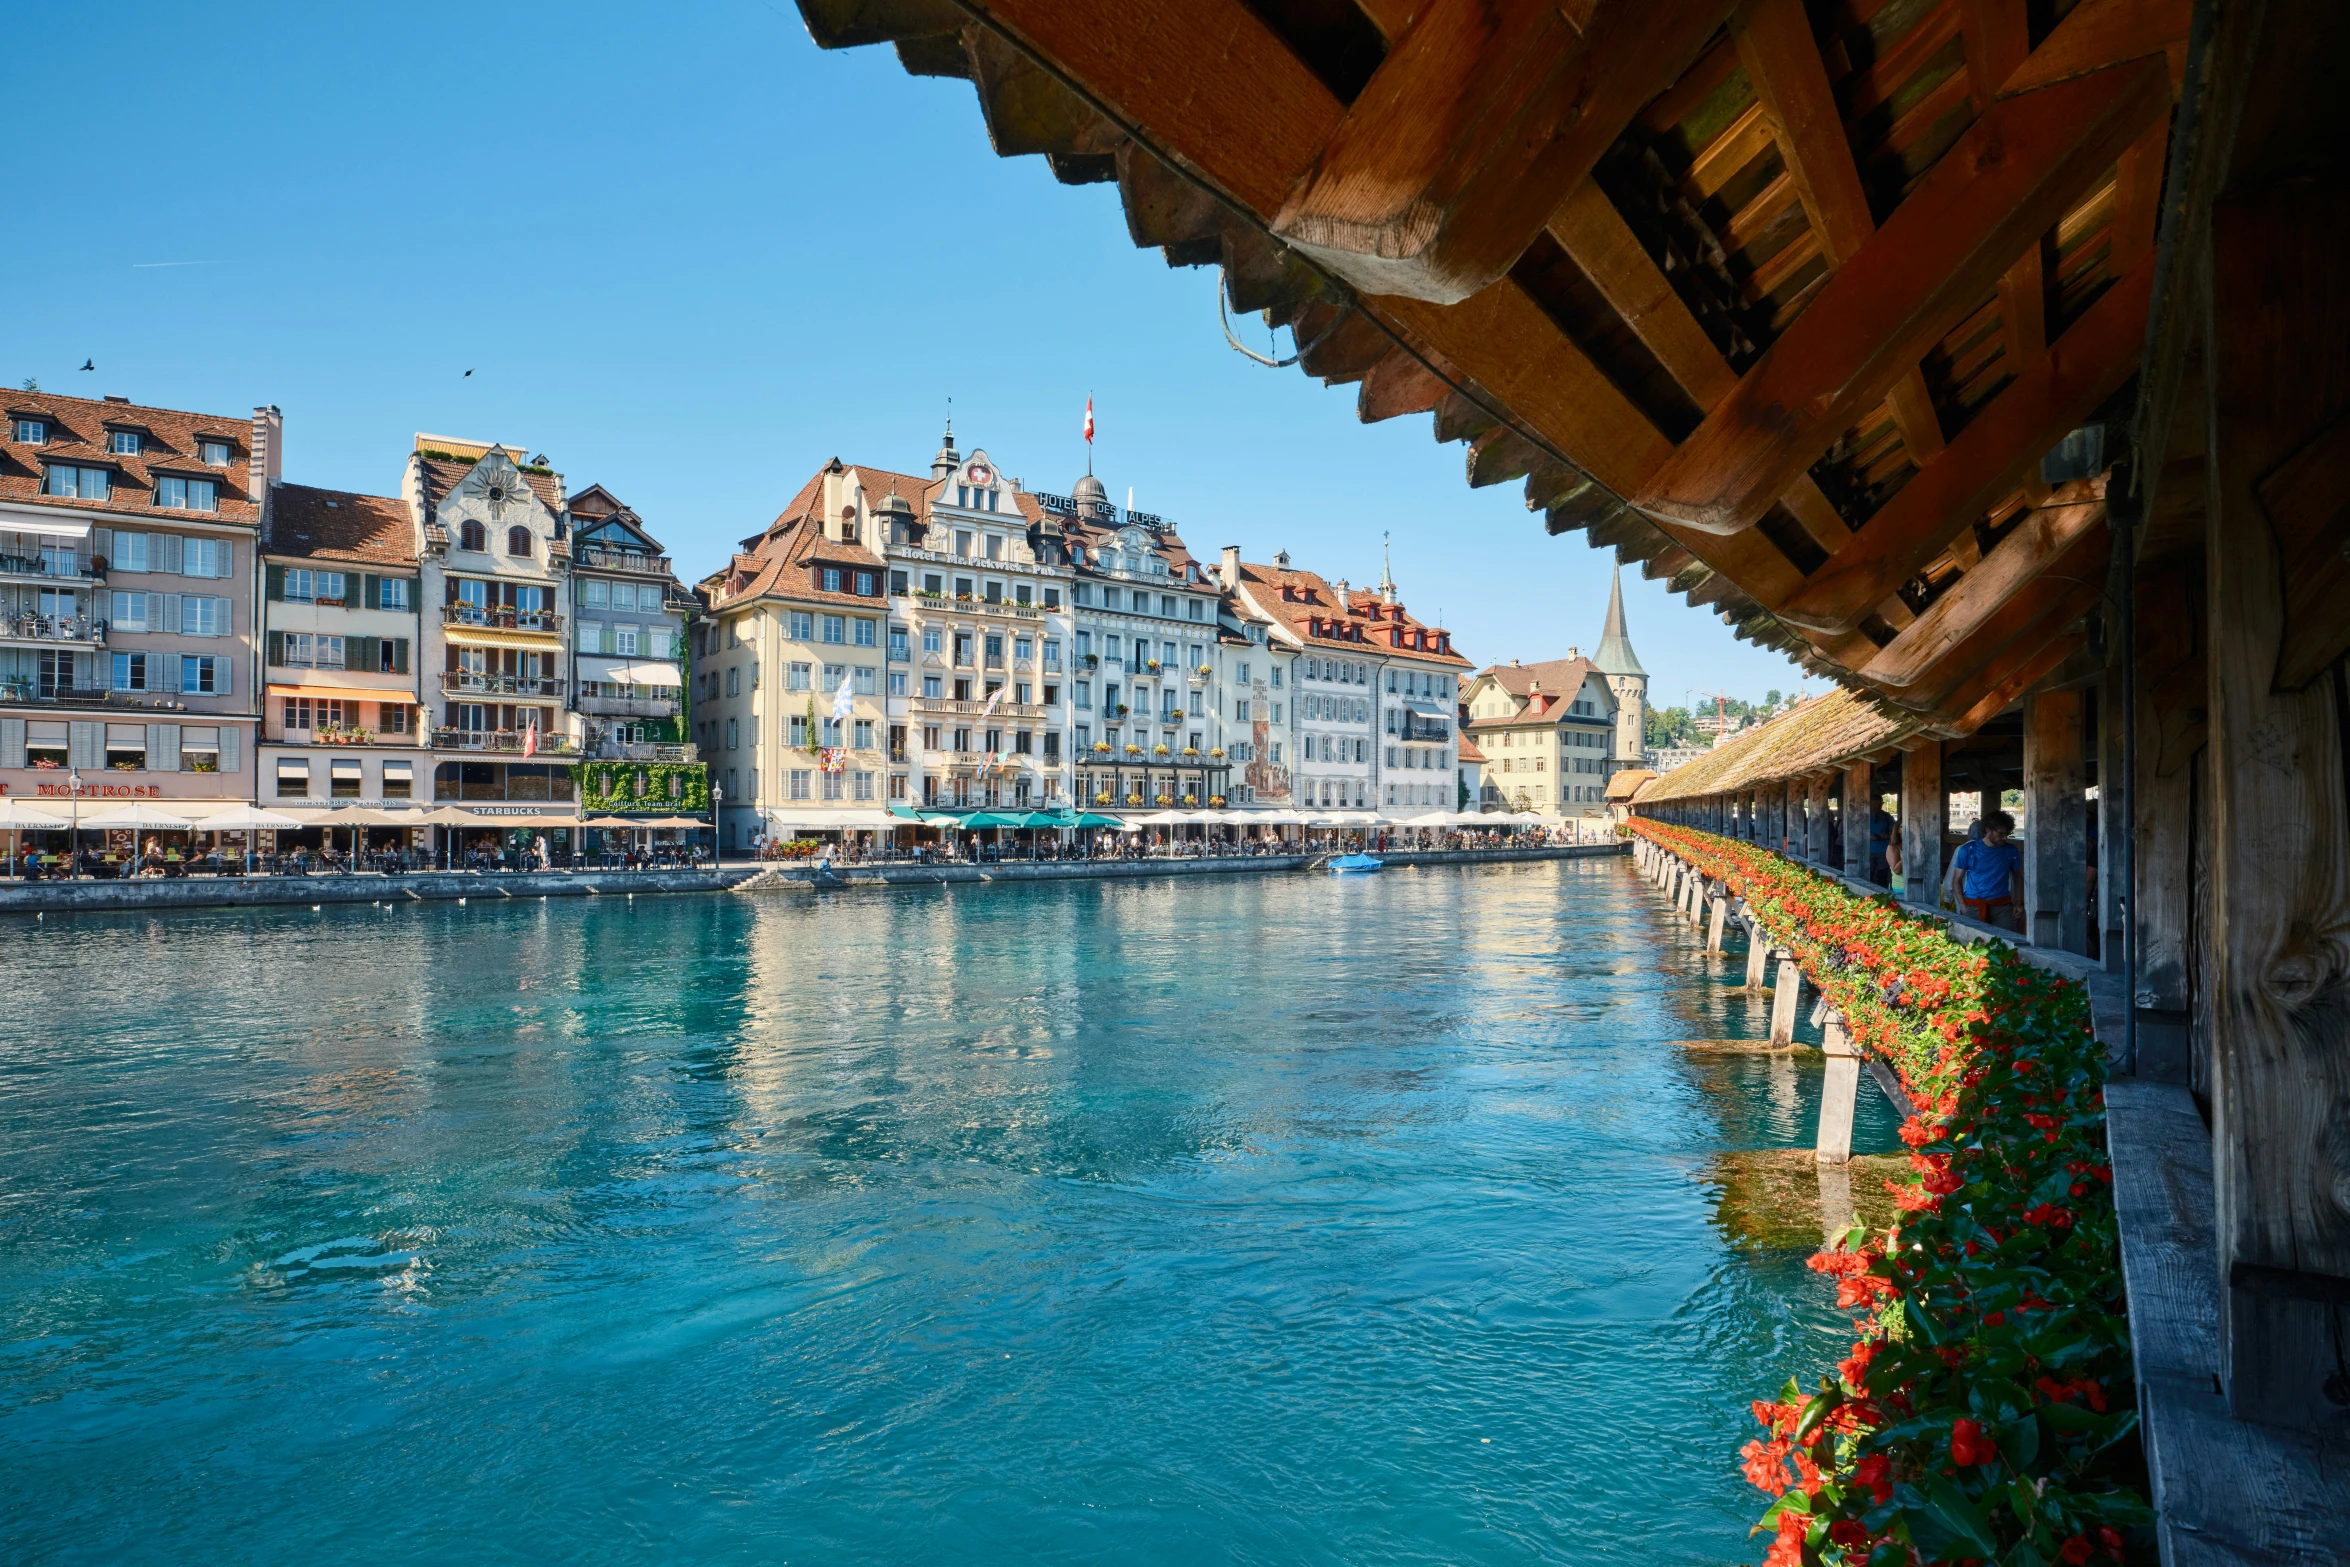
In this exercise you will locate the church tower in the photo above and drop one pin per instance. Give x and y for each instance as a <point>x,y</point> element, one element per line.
<point>1616,660</point>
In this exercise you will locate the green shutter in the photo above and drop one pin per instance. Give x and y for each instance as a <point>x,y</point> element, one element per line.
<point>362,654</point>
<point>371,591</point>
<point>399,655</point>
<point>277,642</point>
<point>277,589</point>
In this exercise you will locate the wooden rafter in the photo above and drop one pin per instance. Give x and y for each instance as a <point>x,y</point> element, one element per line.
<point>2000,188</point>
<point>2037,543</point>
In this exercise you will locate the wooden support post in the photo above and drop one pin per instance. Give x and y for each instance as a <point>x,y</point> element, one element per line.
<point>2056,822</point>
<point>1922,814</point>
<point>2279,942</point>
<point>1758,957</point>
<point>1816,809</point>
<point>1839,1093</point>
<point>2172,690</point>
<point>1718,917</point>
<point>1786,997</point>
<point>1860,807</point>
<point>2113,893</point>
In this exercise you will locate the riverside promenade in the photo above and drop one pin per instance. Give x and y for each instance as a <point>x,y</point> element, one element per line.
<point>42,897</point>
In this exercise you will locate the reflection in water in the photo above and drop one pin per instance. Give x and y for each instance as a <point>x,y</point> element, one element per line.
<point>1276,1219</point>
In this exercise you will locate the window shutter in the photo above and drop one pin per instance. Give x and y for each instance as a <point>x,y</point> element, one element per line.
<point>228,742</point>
<point>277,583</point>
<point>399,655</point>
<point>11,742</point>
<point>102,543</point>
<point>362,654</point>
<point>169,673</point>
<point>228,557</point>
<point>224,671</point>
<point>163,748</point>
<point>85,745</point>
<point>171,612</point>
<point>371,591</point>
<point>277,646</point>
<point>173,549</point>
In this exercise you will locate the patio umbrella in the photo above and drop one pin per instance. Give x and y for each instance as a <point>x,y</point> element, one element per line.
<point>246,819</point>
<point>19,816</point>
<point>134,817</point>
<point>1089,819</point>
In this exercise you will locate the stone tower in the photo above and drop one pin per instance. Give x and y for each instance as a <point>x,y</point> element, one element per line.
<point>1616,660</point>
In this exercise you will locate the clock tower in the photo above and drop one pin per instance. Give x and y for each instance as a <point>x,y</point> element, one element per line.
<point>1616,660</point>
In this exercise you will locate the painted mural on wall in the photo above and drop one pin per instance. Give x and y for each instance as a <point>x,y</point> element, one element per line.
<point>1268,779</point>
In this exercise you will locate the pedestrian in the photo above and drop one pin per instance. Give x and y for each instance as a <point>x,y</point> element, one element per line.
<point>1892,862</point>
<point>1989,866</point>
<point>546,861</point>
<point>1881,839</point>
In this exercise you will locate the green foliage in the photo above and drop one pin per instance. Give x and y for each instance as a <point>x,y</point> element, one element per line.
<point>612,786</point>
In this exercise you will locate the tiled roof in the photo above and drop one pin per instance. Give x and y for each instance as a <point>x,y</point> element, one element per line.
<point>1310,608</point>
<point>441,475</point>
<point>1557,674</point>
<point>338,525</point>
<point>1470,751</point>
<point>1626,784</point>
<point>77,430</point>
<point>1825,732</point>
<point>783,561</point>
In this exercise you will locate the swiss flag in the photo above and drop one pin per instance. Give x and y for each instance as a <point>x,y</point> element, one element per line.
<point>1089,421</point>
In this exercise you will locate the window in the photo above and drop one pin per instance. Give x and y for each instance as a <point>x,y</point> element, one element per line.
<point>800,677</point>
<point>130,672</point>
<point>963,542</point>
<point>734,681</point>
<point>861,734</point>
<point>204,558</point>
<point>518,542</point>
<point>31,432</point>
<point>657,642</point>
<point>293,777</point>
<point>624,640</point>
<point>203,617</point>
<point>203,674</point>
<point>1199,610</point>
<point>803,625</point>
<point>89,484</point>
<point>831,579</point>
<point>865,584</point>
<point>897,682</point>
<point>931,688</point>
<point>213,454</point>
<point>931,640</point>
<point>866,630</point>
<point>472,536</point>
<point>399,779</point>
<point>396,718</point>
<point>123,443</point>
<point>835,628</point>
<point>130,612</point>
<point>186,494</point>
<point>344,780</point>
<point>594,593</point>
<point>863,677</point>
<point>897,644</point>
<point>897,583</point>
<point>1052,598</point>
<point>733,734</point>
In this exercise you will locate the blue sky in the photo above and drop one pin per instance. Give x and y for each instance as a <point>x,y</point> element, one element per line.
<point>689,256</point>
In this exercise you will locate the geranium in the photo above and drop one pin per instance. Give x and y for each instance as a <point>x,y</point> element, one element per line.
<point>1986,1408</point>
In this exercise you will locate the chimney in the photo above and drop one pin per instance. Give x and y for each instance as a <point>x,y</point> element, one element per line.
<point>265,468</point>
<point>115,397</point>
<point>1514,664</point>
<point>1574,652</point>
<point>1344,601</point>
<point>1229,572</point>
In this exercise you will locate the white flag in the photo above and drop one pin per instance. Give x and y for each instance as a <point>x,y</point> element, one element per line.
<point>842,706</point>
<point>993,697</point>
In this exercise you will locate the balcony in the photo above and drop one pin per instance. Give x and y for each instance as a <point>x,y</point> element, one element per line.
<point>960,606</point>
<point>537,622</point>
<point>53,630</point>
<point>645,751</point>
<point>474,683</point>
<point>64,696</point>
<point>629,706</point>
<point>950,707</point>
<point>38,568</point>
<point>622,560</point>
<point>505,741</point>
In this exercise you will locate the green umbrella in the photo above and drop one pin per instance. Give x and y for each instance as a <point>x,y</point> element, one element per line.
<point>979,819</point>
<point>1089,819</point>
<point>1046,819</point>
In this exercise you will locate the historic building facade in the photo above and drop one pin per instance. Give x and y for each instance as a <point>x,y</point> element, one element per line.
<point>127,615</point>
<point>343,718</point>
<point>1554,733</point>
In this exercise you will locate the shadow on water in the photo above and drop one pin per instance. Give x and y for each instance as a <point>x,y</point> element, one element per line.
<point>1265,1219</point>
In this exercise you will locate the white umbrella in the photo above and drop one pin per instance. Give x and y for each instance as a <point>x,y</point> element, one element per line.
<point>17,816</point>
<point>138,816</point>
<point>245,818</point>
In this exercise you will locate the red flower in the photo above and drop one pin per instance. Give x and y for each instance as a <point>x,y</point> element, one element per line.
<point>1765,1465</point>
<point>1968,1445</point>
<point>1787,1549</point>
<point>1876,1472</point>
<point>1850,1533</point>
<point>2075,1550</point>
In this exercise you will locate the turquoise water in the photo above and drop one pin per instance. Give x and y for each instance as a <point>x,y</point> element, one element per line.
<point>1251,1219</point>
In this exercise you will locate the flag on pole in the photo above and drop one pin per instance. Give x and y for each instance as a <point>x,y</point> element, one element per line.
<point>1089,420</point>
<point>530,737</point>
<point>993,698</point>
<point>842,706</point>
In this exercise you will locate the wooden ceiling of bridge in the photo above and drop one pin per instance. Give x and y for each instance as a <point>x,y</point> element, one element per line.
<point>1784,301</point>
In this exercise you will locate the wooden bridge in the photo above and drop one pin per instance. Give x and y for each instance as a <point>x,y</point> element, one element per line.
<point>1991,359</point>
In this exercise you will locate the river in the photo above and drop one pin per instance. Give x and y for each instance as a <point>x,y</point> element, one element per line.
<point>1263,1219</point>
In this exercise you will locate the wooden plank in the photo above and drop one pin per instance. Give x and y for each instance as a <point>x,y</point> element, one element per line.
<point>2279,370</point>
<point>2049,607</point>
<point>2308,502</point>
<point>1992,692</point>
<point>1473,129</point>
<point>1775,45</point>
<point>1989,459</point>
<point>2038,542</point>
<point>1588,227</point>
<point>1860,805</point>
<point>1922,813</point>
<point>2002,185</point>
<point>2055,899</point>
<point>2099,33</point>
<point>1719,161</point>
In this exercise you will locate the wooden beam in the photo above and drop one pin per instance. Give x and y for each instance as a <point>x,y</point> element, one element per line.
<point>1997,695</point>
<point>2001,186</point>
<point>2279,938</point>
<point>1591,231</point>
<point>2056,821</point>
<point>2099,33</point>
<point>2047,608</point>
<point>2038,542</point>
<point>1989,459</point>
<point>1476,125</point>
<point>1775,44</point>
<point>1923,810</point>
<point>2308,503</point>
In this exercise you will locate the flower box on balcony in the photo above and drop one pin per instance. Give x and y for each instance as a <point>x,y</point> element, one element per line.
<point>1134,750</point>
<point>1204,671</point>
<point>1175,715</point>
<point>1159,750</point>
<point>1191,750</point>
<point>1152,665</point>
<point>1217,754</point>
<point>1216,800</point>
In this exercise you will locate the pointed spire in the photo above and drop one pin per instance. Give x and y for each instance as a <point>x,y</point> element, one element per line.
<point>1615,655</point>
<point>948,459</point>
<point>1386,572</point>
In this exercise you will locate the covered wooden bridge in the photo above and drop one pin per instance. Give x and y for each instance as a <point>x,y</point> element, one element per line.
<point>1989,357</point>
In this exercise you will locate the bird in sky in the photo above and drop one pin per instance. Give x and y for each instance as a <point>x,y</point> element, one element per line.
<point>467,373</point>
<point>88,365</point>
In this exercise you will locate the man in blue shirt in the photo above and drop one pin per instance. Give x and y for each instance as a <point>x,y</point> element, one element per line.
<point>1989,867</point>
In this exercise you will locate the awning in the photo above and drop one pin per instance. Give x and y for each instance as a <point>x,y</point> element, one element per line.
<point>54,528</point>
<point>404,695</point>
<point>817,817</point>
<point>638,674</point>
<point>490,636</point>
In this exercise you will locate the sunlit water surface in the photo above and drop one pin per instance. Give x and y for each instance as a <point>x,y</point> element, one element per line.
<point>1254,1219</point>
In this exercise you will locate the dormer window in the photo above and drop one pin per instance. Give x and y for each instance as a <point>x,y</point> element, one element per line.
<point>832,579</point>
<point>31,432</point>
<point>213,454</point>
<point>123,443</point>
<point>89,484</point>
<point>187,494</point>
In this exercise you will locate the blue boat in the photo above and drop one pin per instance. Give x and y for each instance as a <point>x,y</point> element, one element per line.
<point>1356,865</point>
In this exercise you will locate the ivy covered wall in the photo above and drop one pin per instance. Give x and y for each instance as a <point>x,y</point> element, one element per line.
<point>645,786</point>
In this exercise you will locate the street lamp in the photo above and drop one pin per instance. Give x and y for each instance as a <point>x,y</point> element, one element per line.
<point>717,833</point>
